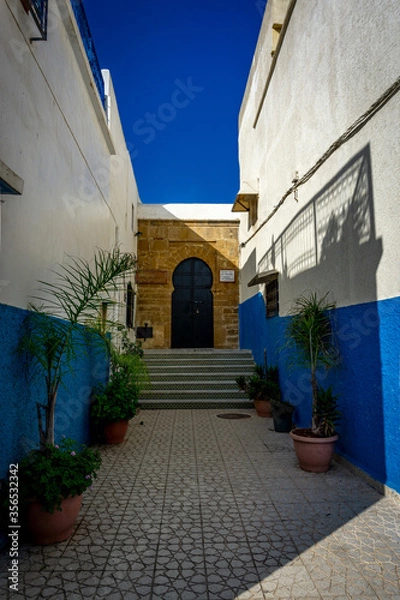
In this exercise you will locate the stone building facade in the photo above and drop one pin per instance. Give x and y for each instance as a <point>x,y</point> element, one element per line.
<point>187,279</point>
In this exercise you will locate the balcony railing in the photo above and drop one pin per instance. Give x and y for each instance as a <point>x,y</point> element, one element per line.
<point>38,8</point>
<point>39,13</point>
<point>88,44</point>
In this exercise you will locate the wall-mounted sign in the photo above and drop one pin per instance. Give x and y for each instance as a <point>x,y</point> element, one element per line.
<point>227,275</point>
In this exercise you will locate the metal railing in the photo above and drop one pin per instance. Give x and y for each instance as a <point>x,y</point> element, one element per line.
<point>38,8</point>
<point>89,46</point>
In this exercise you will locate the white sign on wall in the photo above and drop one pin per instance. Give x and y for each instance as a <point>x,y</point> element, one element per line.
<point>227,275</point>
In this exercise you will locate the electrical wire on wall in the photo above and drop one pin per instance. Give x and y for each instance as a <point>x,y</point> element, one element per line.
<point>349,133</point>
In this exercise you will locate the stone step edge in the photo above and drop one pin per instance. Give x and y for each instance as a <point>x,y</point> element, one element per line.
<point>185,382</point>
<point>191,391</point>
<point>200,366</point>
<point>201,402</point>
<point>197,351</point>
<point>198,362</point>
<point>185,398</point>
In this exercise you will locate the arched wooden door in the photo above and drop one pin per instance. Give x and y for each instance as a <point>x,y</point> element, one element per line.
<point>192,305</point>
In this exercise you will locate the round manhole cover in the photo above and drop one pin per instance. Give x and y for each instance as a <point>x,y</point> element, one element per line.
<point>233,416</point>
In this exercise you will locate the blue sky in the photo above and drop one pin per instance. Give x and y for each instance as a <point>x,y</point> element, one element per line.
<point>179,70</point>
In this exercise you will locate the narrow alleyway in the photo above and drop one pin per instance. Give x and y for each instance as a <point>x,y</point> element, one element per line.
<point>195,507</point>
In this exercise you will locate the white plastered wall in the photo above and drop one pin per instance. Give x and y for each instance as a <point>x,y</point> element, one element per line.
<point>187,212</point>
<point>337,58</point>
<point>78,183</point>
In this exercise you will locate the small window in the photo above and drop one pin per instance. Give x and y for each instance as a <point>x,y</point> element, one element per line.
<point>272,298</point>
<point>130,306</point>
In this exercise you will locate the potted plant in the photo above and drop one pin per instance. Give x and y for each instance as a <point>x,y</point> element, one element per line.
<point>115,403</point>
<point>310,334</point>
<point>51,482</point>
<point>261,387</point>
<point>282,414</point>
<point>52,334</point>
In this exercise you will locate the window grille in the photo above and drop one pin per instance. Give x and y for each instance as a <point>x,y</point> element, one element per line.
<point>89,46</point>
<point>38,9</point>
<point>272,298</point>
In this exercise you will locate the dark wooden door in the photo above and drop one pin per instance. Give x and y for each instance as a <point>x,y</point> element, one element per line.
<point>192,305</point>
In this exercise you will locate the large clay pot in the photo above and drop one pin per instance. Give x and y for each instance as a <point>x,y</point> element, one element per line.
<point>114,433</point>
<point>313,453</point>
<point>263,408</point>
<point>49,528</point>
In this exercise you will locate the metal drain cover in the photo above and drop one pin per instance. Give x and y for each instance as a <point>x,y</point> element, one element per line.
<point>233,416</point>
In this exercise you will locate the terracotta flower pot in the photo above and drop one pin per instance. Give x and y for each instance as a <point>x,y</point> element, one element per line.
<point>263,408</point>
<point>49,528</point>
<point>313,453</point>
<point>114,433</point>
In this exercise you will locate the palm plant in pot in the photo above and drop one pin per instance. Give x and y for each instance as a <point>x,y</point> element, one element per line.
<point>310,335</point>
<point>115,403</point>
<point>261,387</point>
<point>53,334</point>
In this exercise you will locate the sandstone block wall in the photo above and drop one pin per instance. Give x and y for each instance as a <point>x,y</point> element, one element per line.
<point>162,246</point>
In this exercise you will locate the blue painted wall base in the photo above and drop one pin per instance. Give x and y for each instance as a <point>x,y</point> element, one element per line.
<point>19,395</point>
<point>367,380</point>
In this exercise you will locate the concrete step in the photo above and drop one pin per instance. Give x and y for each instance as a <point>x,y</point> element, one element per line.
<point>183,394</point>
<point>195,377</point>
<point>195,403</point>
<point>179,377</point>
<point>200,360</point>
<point>193,383</point>
<point>197,370</point>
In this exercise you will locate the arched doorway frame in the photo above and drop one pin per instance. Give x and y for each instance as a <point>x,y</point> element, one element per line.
<point>192,304</point>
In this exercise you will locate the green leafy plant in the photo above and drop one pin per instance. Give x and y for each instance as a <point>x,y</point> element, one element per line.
<point>326,412</point>
<point>118,399</point>
<point>262,384</point>
<point>281,406</point>
<point>57,472</point>
<point>310,335</point>
<point>69,313</point>
<point>268,372</point>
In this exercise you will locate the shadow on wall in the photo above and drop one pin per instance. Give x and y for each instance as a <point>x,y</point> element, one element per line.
<point>331,246</point>
<point>332,239</point>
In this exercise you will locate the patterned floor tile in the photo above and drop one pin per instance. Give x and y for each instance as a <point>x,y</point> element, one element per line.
<point>291,581</point>
<point>192,507</point>
<point>242,585</point>
<point>125,584</point>
<point>173,585</point>
<point>180,561</point>
<point>228,556</point>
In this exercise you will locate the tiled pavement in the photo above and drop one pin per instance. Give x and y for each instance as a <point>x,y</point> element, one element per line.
<point>195,507</point>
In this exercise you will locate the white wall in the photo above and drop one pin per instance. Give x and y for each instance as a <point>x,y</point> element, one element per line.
<point>337,58</point>
<point>79,186</point>
<point>187,212</point>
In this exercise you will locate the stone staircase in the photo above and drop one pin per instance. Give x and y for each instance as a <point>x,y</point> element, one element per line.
<point>196,378</point>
